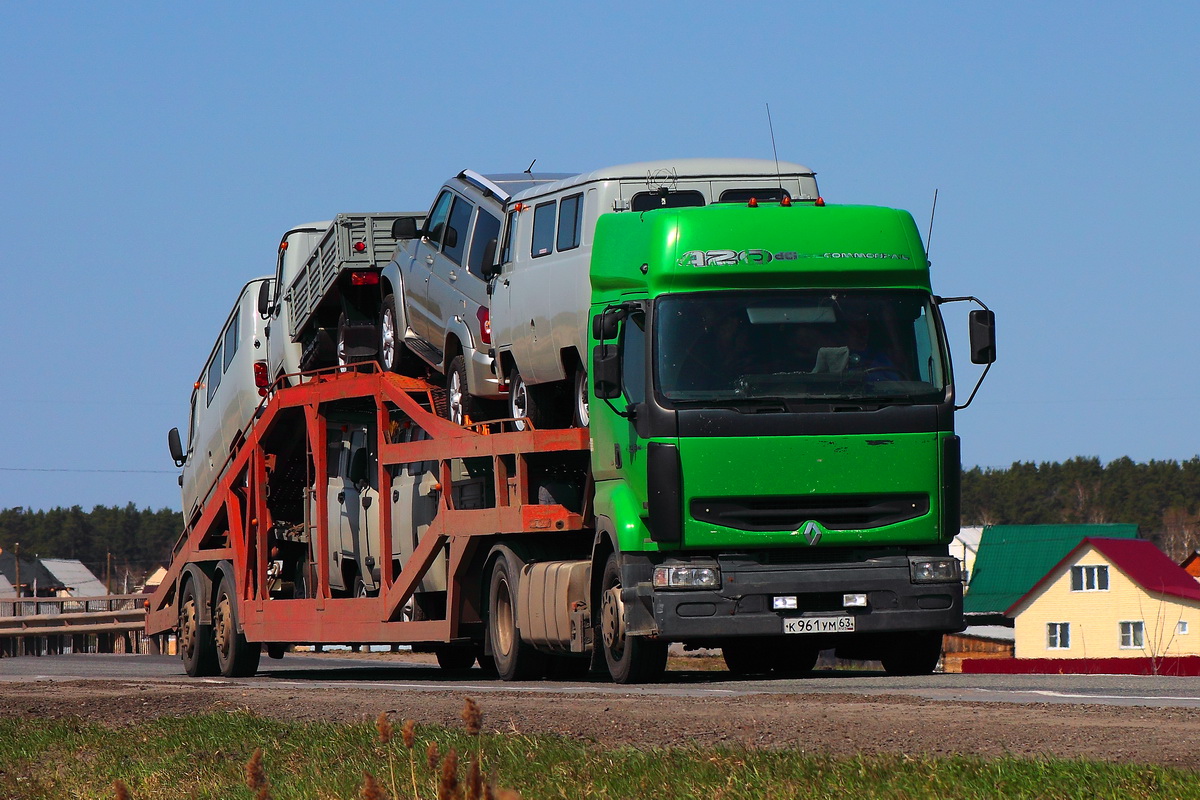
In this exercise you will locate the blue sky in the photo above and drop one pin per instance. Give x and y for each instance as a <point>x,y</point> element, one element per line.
<point>152,154</point>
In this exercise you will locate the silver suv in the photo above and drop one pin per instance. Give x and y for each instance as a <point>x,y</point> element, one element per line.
<point>435,300</point>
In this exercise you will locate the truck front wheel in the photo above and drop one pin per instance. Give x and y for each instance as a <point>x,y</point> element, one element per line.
<point>196,644</point>
<point>515,660</point>
<point>630,659</point>
<point>236,657</point>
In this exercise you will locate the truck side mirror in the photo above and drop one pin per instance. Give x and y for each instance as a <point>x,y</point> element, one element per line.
<point>604,325</point>
<point>982,327</point>
<point>176,447</point>
<point>404,228</point>
<point>606,371</point>
<point>264,299</point>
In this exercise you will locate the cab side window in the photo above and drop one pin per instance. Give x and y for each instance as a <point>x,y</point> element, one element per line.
<point>570,222</point>
<point>633,358</point>
<point>543,230</point>
<point>454,243</point>
<point>487,228</point>
<point>435,225</point>
<point>231,339</point>
<point>215,368</point>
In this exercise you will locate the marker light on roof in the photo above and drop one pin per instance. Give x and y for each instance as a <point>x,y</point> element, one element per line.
<point>753,202</point>
<point>785,201</point>
<point>283,245</point>
<point>820,202</point>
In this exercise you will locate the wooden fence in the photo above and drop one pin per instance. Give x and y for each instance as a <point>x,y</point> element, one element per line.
<point>40,626</point>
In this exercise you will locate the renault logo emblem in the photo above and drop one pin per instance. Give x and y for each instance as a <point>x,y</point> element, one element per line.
<point>812,532</point>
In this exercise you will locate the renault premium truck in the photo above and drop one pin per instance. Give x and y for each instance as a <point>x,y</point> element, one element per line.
<point>771,468</point>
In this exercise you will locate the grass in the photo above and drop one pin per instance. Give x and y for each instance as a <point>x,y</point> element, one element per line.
<point>240,755</point>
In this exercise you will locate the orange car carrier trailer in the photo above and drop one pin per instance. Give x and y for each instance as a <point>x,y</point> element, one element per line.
<point>249,574</point>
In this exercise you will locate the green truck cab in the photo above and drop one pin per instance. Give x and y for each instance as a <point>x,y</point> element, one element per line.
<point>772,429</point>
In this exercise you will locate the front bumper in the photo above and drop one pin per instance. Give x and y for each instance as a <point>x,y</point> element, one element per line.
<point>743,604</point>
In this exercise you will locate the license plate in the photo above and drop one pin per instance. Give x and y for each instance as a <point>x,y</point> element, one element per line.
<point>842,624</point>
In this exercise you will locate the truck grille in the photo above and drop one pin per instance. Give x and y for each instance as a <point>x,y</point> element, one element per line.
<point>834,512</point>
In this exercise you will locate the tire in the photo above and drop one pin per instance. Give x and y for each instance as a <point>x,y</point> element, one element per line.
<point>581,417</point>
<point>630,659</point>
<point>515,660</point>
<point>236,657</point>
<point>196,645</point>
<point>394,356</point>
<point>459,403</point>
<point>455,658</point>
<point>911,654</point>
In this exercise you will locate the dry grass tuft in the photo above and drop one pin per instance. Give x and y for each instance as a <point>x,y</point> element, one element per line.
<point>408,733</point>
<point>371,790</point>
<point>474,780</point>
<point>383,724</point>
<point>256,775</point>
<point>448,785</point>
<point>472,717</point>
<point>432,757</point>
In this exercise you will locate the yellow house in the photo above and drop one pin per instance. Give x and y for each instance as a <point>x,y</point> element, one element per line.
<point>1110,598</point>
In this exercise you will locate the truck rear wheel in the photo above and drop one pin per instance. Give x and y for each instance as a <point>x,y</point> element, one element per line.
<point>630,659</point>
<point>236,657</point>
<point>196,645</point>
<point>515,660</point>
<point>911,654</point>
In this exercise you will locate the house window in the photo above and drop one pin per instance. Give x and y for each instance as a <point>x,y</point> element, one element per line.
<point>1181,627</point>
<point>1133,635</point>
<point>1058,635</point>
<point>1089,579</point>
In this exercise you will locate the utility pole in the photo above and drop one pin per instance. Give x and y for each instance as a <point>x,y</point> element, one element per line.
<point>17,562</point>
<point>108,574</point>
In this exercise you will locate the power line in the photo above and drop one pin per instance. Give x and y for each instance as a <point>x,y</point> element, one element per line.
<point>66,469</point>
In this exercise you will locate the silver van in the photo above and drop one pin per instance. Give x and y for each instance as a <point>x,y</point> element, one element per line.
<point>541,289</point>
<point>224,399</point>
<point>283,355</point>
<point>435,302</point>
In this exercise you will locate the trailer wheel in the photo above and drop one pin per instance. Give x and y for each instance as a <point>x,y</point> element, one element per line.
<point>515,660</point>
<point>196,644</point>
<point>236,657</point>
<point>911,654</point>
<point>630,659</point>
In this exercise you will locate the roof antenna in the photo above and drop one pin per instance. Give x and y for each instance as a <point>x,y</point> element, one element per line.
<point>771,126</point>
<point>529,169</point>
<point>929,236</point>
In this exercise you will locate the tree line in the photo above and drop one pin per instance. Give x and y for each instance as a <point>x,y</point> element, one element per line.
<point>138,540</point>
<point>1161,497</point>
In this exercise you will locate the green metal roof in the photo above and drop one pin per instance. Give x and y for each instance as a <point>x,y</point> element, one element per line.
<point>1012,558</point>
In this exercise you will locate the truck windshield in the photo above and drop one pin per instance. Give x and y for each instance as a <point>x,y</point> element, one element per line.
<point>746,348</point>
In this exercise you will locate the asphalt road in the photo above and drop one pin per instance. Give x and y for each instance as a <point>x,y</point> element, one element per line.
<point>298,671</point>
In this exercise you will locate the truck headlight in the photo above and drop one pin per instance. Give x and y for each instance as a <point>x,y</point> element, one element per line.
<point>669,577</point>
<point>933,570</point>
